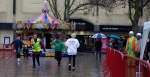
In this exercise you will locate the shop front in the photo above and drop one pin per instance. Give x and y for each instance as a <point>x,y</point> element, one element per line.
<point>6,34</point>
<point>116,29</point>
<point>84,29</point>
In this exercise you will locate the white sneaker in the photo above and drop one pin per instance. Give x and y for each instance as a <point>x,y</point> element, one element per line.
<point>18,62</point>
<point>147,61</point>
<point>18,59</point>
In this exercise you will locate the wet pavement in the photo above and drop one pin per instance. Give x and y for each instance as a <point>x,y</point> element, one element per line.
<point>87,66</point>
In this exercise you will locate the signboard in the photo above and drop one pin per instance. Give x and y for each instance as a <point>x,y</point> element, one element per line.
<point>6,26</point>
<point>6,40</point>
<point>81,25</point>
<point>118,28</point>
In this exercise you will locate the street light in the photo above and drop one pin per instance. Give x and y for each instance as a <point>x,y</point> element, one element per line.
<point>141,23</point>
<point>141,19</point>
<point>14,16</point>
<point>141,7</point>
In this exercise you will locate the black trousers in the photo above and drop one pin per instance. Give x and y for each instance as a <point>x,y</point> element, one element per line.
<point>72,60</point>
<point>25,53</point>
<point>18,55</point>
<point>98,53</point>
<point>98,50</point>
<point>36,55</point>
<point>58,56</point>
<point>18,52</point>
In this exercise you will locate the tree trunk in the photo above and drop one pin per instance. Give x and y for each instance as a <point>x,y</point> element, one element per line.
<point>135,23</point>
<point>136,16</point>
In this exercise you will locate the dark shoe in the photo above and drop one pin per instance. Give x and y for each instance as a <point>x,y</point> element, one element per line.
<point>38,64</point>
<point>69,67</point>
<point>33,67</point>
<point>59,63</point>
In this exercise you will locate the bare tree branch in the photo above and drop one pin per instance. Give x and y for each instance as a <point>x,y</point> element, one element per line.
<point>130,12</point>
<point>76,8</point>
<point>71,4</point>
<point>52,7</point>
<point>146,3</point>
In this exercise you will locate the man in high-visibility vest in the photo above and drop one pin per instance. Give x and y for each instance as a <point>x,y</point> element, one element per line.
<point>131,44</point>
<point>138,47</point>
<point>131,48</point>
<point>36,50</point>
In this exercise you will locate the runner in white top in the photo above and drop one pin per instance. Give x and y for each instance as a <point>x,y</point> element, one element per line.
<point>72,46</point>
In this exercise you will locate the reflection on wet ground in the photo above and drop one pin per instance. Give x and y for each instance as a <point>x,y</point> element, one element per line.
<point>87,66</point>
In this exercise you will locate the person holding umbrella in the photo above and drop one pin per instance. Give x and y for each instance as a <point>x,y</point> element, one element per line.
<point>114,41</point>
<point>98,46</point>
<point>99,42</point>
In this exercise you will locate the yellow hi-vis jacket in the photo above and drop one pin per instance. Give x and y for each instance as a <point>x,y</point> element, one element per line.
<point>37,46</point>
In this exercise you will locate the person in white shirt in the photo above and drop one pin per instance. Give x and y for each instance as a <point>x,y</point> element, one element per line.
<point>72,46</point>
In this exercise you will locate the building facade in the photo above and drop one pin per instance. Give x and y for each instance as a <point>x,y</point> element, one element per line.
<point>27,9</point>
<point>6,22</point>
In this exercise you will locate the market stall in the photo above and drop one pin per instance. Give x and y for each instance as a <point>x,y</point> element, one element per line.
<point>43,25</point>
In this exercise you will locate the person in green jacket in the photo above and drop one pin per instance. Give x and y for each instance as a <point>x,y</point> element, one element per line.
<point>59,47</point>
<point>36,47</point>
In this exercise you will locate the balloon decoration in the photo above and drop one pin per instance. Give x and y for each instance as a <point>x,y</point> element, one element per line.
<point>45,18</point>
<point>28,25</point>
<point>19,24</point>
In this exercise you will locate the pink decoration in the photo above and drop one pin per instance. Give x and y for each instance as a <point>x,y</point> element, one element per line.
<point>44,18</point>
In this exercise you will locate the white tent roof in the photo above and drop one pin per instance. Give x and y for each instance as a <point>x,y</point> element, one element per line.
<point>147,25</point>
<point>146,30</point>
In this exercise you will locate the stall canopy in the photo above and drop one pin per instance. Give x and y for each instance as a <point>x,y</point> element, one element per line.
<point>146,30</point>
<point>44,18</point>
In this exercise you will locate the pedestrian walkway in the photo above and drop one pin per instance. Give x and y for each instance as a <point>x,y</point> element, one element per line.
<point>87,66</point>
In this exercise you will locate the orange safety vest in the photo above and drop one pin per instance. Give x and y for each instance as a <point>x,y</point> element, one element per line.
<point>132,42</point>
<point>131,46</point>
<point>138,48</point>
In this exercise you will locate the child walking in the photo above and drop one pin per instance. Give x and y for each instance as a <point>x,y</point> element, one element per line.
<point>59,47</point>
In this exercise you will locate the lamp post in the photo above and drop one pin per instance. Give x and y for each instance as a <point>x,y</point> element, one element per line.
<point>14,16</point>
<point>141,24</point>
<point>14,7</point>
<point>141,20</point>
<point>141,53</point>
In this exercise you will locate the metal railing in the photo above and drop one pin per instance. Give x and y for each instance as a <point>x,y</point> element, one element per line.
<point>6,52</point>
<point>118,64</point>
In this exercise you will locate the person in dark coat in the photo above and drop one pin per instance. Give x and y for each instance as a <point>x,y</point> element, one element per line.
<point>147,52</point>
<point>115,44</point>
<point>98,46</point>
<point>17,43</point>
